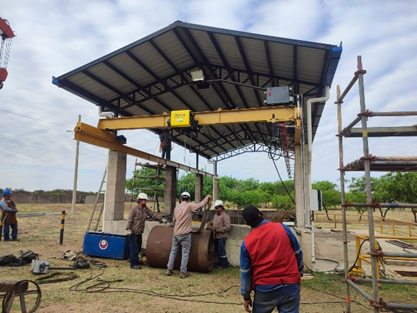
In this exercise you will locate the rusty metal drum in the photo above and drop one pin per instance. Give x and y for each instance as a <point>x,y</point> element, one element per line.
<point>158,248</point>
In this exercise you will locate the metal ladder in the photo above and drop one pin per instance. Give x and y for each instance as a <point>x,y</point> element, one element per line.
<point>94,223</point>
<point>158,168</point>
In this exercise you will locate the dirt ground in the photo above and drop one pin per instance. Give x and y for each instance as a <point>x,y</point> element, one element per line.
<point>111,286</point>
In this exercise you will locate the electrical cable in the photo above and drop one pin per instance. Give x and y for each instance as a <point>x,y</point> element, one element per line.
<point>104,286</point>
<point>36,119</point>
<point>357,255</point>
<point>282,182</point>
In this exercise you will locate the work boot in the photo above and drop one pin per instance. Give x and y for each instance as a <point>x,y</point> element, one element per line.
<point>169,272</point>
<point>135,267</point>
<point>183,275</point>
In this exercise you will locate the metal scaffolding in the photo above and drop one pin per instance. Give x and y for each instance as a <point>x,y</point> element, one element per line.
<point>369,163</point>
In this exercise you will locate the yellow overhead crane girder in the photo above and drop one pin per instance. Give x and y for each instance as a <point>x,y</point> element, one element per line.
<point>267,114</point>
<point>102,136</point>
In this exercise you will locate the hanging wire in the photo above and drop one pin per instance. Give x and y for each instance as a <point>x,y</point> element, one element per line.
<point>36,119</point>
<point>282,182</point>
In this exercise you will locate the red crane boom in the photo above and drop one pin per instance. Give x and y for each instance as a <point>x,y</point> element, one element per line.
<point>6,34</point>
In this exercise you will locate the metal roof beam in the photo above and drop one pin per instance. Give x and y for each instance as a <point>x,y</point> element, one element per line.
<point>90,97</point>
<point>222,93</point>
<point>107,85</point>
<point>229,70</point>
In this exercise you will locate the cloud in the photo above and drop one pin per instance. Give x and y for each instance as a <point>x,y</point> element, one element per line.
<point>54,37</point>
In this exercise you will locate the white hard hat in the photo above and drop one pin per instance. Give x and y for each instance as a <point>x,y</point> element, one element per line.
<point>142,196</point>
<point>218,203</point>
<point>185,194</point>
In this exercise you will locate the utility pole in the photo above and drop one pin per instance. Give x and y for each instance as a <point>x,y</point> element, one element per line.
<point>74,188</point>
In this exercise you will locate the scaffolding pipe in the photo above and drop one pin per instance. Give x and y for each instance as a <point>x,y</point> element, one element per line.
<point>368,186</point>
<point>392,305</point>
<point>352,82</point>
<point>348,128</point>
<point>375,301</point>
<point>358,289</point>
<point>388,281</point>
<point>400,113</point>
<point>342,196</point>
<point>398,158</point>
<point>400,254</point>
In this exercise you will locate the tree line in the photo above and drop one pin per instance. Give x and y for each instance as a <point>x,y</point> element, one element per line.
<point>400,187</point>
<point>54,192</point>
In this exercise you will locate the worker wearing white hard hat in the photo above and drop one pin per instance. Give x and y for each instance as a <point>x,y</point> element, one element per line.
<point>183,214</point>
<point>220,225</point>
<point>136,224</point>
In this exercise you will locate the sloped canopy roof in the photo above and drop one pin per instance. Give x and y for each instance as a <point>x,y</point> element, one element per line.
<point>153,76</point>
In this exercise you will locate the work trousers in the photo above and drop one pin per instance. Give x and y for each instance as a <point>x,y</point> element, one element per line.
<point>166,152</point>
<point>221,252</point>
<point>185,242</point>
<point>286,298</point>
<point>6,231</point>
<point>135,247</point>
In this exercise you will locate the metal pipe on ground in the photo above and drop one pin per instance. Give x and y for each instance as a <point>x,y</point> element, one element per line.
<point>158,248</point>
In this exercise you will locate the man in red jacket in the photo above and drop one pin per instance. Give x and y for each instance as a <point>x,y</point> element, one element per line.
<point>271,262</point>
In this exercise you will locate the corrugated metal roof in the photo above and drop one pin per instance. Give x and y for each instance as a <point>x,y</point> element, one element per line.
<point>152,76</point>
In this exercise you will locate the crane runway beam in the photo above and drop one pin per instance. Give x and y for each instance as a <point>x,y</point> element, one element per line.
<point>105,139</point>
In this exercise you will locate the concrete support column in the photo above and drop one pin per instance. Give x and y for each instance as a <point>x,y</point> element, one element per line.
<point>198,187</point>
<point>298,186</point>
<point>307,174</point>
<point>302,171</point>
<point>170,192</point>
<point>215,189</point>
<point>115,189</point>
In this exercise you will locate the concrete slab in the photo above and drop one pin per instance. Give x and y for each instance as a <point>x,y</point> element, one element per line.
<point>329,253</point>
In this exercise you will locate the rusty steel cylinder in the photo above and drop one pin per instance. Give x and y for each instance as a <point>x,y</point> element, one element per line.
<point>158,248</point>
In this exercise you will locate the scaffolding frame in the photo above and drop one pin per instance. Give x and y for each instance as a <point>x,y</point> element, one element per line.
<point>369,163</point>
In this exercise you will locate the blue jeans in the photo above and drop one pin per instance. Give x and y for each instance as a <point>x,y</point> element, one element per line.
<point>286,299</point>
<point>221,252</point>
<point>135,247</point>
<point>166,152</point>
<point>6,231</point>
<point>185,242</point>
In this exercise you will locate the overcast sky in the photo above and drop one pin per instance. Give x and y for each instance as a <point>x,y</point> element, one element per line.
<point>55,37</point>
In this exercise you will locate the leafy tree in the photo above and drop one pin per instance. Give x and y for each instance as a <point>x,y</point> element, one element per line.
<point>269,188</point>
<point>281,202</point>
<point>357,194</point>
<point>330,195</point>
<point>287,185</point>
<point>187,183</point>
<point>249,184</point>
<point>249,197</point>
<point>400,187</point>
